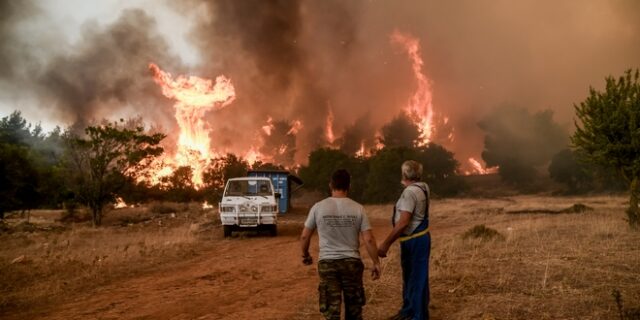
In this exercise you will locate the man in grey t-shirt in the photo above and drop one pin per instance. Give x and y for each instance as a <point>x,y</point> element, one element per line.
<point>340,222</point>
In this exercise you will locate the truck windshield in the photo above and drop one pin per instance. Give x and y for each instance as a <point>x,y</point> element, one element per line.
<point>240,188</point>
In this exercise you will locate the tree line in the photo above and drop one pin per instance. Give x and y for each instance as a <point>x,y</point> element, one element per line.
<point>93,166</point>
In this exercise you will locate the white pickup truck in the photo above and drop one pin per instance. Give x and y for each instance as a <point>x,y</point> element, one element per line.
<point>249,202</point>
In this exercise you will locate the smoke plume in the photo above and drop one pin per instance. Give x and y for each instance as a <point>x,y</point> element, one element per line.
<point>108,70</point>
<point>296,60</point>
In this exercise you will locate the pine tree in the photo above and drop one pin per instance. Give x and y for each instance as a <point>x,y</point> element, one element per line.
<point>608,132</point>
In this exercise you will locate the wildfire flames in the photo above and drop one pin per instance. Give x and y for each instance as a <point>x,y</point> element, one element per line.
<point>295,127</point>
<point>420,106</point>
<point>329,128</point>
<point>478,168</point>
<point>194,97</point>
<point>120,203</point>
<point>267,128</point>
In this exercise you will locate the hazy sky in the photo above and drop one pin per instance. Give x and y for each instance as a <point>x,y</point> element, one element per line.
<point>64,21</point>
<point>74,60</point>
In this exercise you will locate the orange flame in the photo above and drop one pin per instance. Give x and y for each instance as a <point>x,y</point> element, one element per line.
<point>120,203</point>
<point>361,153</point>
<point>478,168</point>
<point>268,127</point>
<point>194,97</point>
<point>420,106</point>
<point>253,155</point>
<point>329,128</point>
<point>295,127</point>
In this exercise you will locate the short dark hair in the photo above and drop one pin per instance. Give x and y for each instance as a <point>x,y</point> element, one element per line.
<point>340,180</point>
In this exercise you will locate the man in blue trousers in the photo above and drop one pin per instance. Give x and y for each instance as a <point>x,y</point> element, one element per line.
<point>411,227</point>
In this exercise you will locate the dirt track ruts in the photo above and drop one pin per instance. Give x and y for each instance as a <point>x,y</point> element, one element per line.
<point>236,278</point>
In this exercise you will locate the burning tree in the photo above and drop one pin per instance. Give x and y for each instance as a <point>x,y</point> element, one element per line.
<point>420,106</point>
<point>608,132</point>
<point>194,97</point>
<point>280,141</point>
<point>100,162</point>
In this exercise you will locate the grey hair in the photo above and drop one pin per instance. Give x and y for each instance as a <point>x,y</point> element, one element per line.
<point>412,170</point>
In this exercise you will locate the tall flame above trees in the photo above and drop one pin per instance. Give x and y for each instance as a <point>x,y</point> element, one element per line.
<point>420,105</point>
<point>194,97</point>
<point>329,128</point>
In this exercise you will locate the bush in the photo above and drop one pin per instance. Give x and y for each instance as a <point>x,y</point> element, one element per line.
<point>322,163</point>
<point>517,173</point>
<point>482,232</point>
<point>566,169</point>
<point>383,182</point>
<point>377,179</point>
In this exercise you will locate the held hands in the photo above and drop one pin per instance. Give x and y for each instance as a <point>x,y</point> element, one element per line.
<point>375,271</point>
<point>307,260</point>
<point>382,250</point>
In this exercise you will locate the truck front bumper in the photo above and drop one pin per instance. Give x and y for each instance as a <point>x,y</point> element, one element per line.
<point>248,220</point>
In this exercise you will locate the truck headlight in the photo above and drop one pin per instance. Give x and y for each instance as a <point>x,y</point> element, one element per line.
<point>269,208</point>
<point>227,209</point>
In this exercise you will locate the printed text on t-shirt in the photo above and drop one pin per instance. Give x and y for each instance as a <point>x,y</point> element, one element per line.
<point>339,221</point>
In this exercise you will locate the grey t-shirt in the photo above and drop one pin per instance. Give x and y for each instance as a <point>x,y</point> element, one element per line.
<point>413,200</point>
<point>339,222</point>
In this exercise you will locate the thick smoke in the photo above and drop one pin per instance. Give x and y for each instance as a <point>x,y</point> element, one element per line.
<point>108,70</point>
<point>104,75</point>
<point>259,45</point>
<point>296,60</point>
<point>292,60</point>
<point>10,11</point>
<point>280,143</point>
<point>15,54</point>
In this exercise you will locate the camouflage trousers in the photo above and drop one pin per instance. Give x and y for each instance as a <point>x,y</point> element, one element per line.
<point>338,278</point>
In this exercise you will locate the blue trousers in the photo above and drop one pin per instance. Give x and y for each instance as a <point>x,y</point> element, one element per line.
<point>414,257</point>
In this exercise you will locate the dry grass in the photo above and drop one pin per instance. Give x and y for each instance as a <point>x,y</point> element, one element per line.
<point>548,266</point>
<point>43,265</point>
<point>561,266</point>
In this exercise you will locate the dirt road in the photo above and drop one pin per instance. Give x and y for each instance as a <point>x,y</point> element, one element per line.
<point>249,276</point>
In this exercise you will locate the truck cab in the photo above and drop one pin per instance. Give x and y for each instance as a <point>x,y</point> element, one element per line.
<point>249,203</point>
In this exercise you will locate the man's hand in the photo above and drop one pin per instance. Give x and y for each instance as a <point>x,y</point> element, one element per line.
<point>305,237</point>
<point>375,272</point>
<point>396,232</point>
<point>382,250</point>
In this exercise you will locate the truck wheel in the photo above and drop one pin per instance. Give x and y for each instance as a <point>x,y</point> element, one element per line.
<point>273,230</point>
<point>227,231</point>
